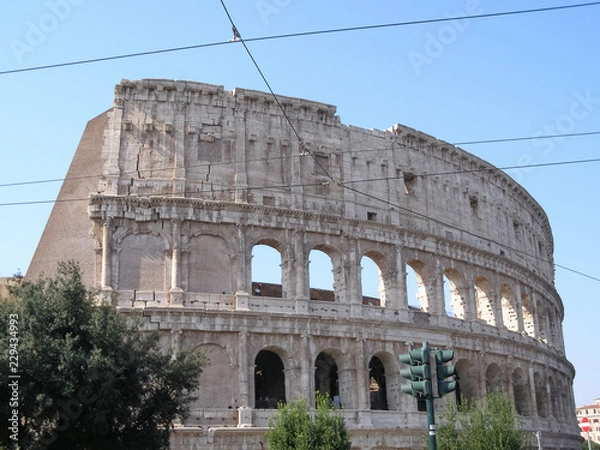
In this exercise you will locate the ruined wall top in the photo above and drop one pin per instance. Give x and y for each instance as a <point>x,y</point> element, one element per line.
<point>188,140</point>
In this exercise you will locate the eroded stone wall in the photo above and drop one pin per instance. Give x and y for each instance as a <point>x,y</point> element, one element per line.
<point>196,178</point>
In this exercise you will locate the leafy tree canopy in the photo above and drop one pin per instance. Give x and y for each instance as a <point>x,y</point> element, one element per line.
<point>490,424</point>
<point>89,378</point>
<point>296,427</point>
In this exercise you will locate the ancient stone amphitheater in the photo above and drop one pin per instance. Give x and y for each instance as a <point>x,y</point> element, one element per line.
<point>172,191</point>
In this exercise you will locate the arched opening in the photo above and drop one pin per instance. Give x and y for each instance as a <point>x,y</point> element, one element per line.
<point>466,377</point>
<point>541,395</point>
<point>483,301</point>
<point>416,289</point>
<point>371,282</point>
<point>454,300</point>
<point>510,318</point>
<point>528,316</point>
<point>377,384</point>
<point>522,398</point>
<point>495,380</point>
<point>321,279</point>
<point>266,271</point>
<point>327,378</point>
<point>269,380</point>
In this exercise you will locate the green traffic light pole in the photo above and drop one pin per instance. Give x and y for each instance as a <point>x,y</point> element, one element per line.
<point>430,412</point>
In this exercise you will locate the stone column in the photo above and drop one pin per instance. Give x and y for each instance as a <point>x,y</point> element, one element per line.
<point>300,261</point>
<point>244,278</point>
<point>398,293</point>
<point>106,238</point>
<point>176,292</point>
<point>178,131</point>
<point>534,411</point>
<point>244,410</point>
<point>519,308</point>
<point>113,143</point>
<point>307,369</point>
<point>352,293</point>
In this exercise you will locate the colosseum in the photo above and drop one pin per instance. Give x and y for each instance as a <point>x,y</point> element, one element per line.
<point>172,191</point>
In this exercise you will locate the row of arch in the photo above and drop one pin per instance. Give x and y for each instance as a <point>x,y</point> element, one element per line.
<point>383,275</point>
<point>515,311</point>
<point>535,393</point>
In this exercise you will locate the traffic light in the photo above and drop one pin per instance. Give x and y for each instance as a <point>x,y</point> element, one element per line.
<point>419,373</point>
<point>444,371</point>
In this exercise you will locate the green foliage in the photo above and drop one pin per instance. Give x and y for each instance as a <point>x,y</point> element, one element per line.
<point>296,427</point>
<point>486,425</point>
<point>586,446</point>
<point>89,379</point>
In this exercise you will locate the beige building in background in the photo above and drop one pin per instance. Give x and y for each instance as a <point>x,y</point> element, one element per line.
<point>186,181</point>
<point>592,412</point>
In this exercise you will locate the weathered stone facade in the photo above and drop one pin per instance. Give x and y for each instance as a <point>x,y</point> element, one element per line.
<point>193,177</point>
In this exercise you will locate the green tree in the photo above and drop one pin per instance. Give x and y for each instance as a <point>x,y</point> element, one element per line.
<point>89,378</point>
<point>489,424</point>
<point>585,445</point>
<point>296,427</point>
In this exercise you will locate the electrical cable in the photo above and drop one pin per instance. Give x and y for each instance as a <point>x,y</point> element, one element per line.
<point>299,34</point>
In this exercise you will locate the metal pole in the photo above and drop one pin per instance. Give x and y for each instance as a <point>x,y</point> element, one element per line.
<point>589,441</point>
<point>431,422</point>
<point>430,411</point>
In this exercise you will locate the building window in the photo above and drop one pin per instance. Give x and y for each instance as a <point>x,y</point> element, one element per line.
<point>410,182</point>
<point>321,165</point>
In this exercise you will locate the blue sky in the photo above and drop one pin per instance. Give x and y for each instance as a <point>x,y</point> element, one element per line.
<point>473,79</point>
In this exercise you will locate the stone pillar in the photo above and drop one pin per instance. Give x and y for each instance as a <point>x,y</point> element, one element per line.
<point>302,292</point>
<point>534,411</point>
<point>352,293</point>
<point>244,278</point>
<point>239,142</point>
<point>243,367</point>
<point>398,293</point>
<point>467,292</point>
<point>176,292</point>
<point>178,131</point>
<point>519,308</point>
<point>106,238</point>
<point>307,368</point>
<point>113,143</point>
<point>362,375</point>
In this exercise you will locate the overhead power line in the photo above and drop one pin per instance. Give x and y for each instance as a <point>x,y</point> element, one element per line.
<point>273,158</point>
<point>298,34</point>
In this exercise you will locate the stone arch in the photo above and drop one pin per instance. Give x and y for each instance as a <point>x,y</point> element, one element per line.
<point>421,274</point>
<point>269,380</point>
<point>142,262</point>
<point>467,379</point>
<point>522,396</point>
<point>220,384</point>
<point>377,384</point>
<point>528,315</point>
<point>510,318</point>
<point>378,268</point>
<point>553,400</point>
<point>484,301</point>
<point>541,395</point>
<point>457,297</point>
<point>495,378</point>
<point>266,269</point>
<point>328,380</point>
<point>392,379</point>
<point>209,265</point>
<point>324,259</point>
